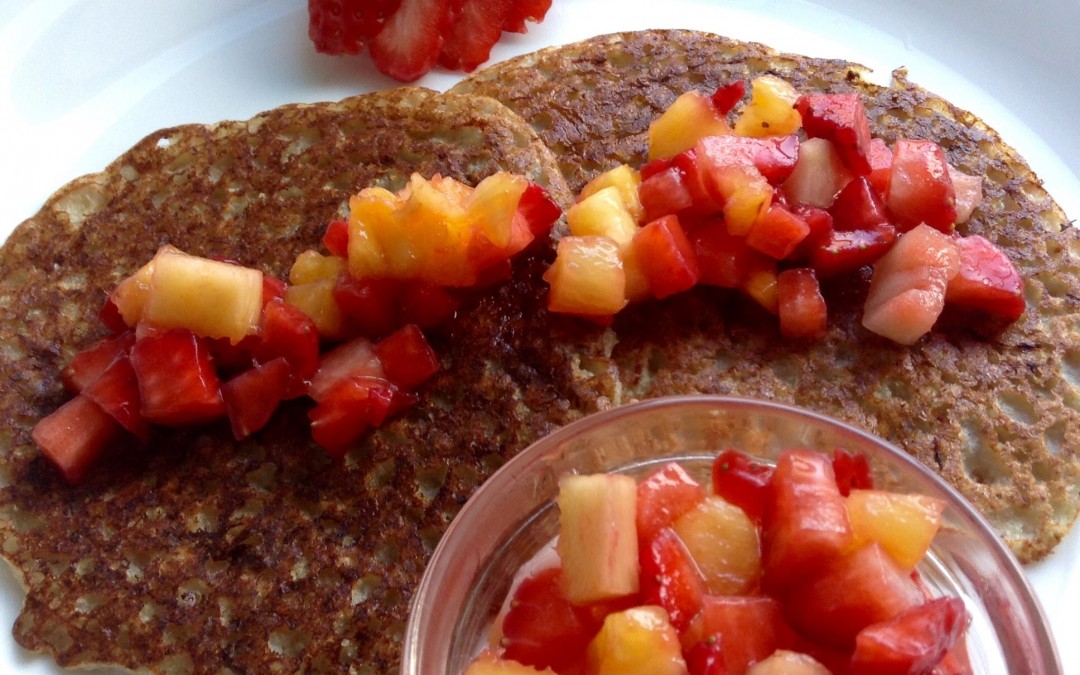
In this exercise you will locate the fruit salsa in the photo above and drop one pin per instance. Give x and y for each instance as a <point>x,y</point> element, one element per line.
<point>795,192</point>
<point>195,340</point>
<point>797,567</point>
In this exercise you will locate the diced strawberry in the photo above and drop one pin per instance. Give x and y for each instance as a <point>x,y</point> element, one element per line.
<point>920,187</point>
<point>727,96</point>
<point>343,26</point>
<point>273,289</point>
<point>539,209</point>
<point>178,385</point>
<point>806,524</point>
<point>350,359</point>
<point>478,26</point>
<point>252,396</point>
<point>840,252</point>
<point>858,207</point>
<point>748,629</point>
<point>987,280</point>
<point>90,363</point>
<point>666,257</point>
<point>840,118</point>
<point>655,166</point>
<point>74,436</point>
<point>370,305</point>
<point>773,156</point>
<point>856,590</point>
<point>427,305</point>
<point>671,579</point>
<point>411,39</point>
<point>287,332</point>
<point>116,392</point>
<point>664,193</point>
<point>880,159</point>
<point>724,259</point>
<point>742,481</point>
<point>706,657</point>
<point>336,238</point>
<point>777,232</point>
<point>802,309</point>
<point>110,316</point>
<point>852,471</point>
<point>666,494</point>
<point>968,191</point>
<point>694,179</point>
<point>915,641</point>
<point>406,357</point>
<point>819,174</point>
<point>542,629</point>
<point>349,409</point>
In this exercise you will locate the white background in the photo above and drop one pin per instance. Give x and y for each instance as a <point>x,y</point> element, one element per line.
<point>83,80</point>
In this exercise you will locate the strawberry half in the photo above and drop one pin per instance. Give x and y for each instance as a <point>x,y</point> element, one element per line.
<point>410,41</point>
<point>525,10</point>
<point>479,26</point>
<point>343,26</point>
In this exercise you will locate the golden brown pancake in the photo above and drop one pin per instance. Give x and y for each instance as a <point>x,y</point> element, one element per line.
<point>996,412</point>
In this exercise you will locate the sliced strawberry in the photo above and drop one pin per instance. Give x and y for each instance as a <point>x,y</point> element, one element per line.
<point>840,252</point>
<point>773,156</point>
<point>370,305</point>
<point>777,232</point>
<point>747,628</point>
<point>913,642</point>
<point>336,238</point>
<point>116,392</point>
<point>542,629</point>
<point>252,396</point>
<point>349,409</point>
<point>343,26</point>
<point>666,494</point>
<point>287,332</point>
<point>74,436</point>
<point>664,193</point>
<point>858,207</point>
<point>852,471</point>
<point>406,357</point>
<point>695,180</point>
<point>409,43</point>
<point>90,363</point>
<point>724,259</point>
<point>666,257</point>
<point>177,382</point>
<point>987,279</point>
<point>727,96</point>
<point>671,579</point>
<point>840,118</point>
<point>353,358</point>
<point>539,210</point>
<point>802,309</point>
<point>427,305</point>
<point>478,27</point>
<point>525,10</point>
<point>742,481</point>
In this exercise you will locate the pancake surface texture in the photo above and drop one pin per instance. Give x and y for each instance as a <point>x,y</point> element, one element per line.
<point>997,413</point>
<point>196,553</point>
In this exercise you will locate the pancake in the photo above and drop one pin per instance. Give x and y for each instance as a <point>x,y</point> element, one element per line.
<point>996,412</point>
<point>195,553</point>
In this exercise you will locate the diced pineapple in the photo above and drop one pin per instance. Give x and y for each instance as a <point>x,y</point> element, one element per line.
<point>771,110</point>
<point>819,174</point>
<point>587,277</point>
<point>637,284</point>
<point>492,205</point>
<point>637,641</point>
<point>369,211</point>
<point>130,295</point>
<point>723,541</point>
<point>745,192</point>
<point>598,537</point>
<point>784,662</point>
<point>761,283</point>
<point>627,180</point>
<point>904,524</point>
<point>316,299</point>
<point>690,118</point>
<point>210,298</point>
<point>490,664</point>
<point>604,214</point>
<point>312,266</point>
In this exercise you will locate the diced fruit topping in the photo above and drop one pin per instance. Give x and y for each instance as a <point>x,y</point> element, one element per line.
<point>542,628</point>
<point>637,641</point>
<point>841,119</point>
<point>408,37</point>
<point>920,186</point>
<point>74,436</point>
<point>987,280</point>
<point>914,641</point>
<point>690,118</point>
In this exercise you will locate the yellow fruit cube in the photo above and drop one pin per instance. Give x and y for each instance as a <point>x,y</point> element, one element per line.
<point>723,541</point>
<point>784,662</point>
<point>316,299</point>
<point>489,664</point>
<point>637,641</point>
<point>627,180</point>
<point>208,297</point>
<point>603,214</point>
<point>598,537</point>
<point>904,524</point>
<point>492,205</point>
<point>312,266</point>
<point>131,294</point>
<point>690,118</point>
<point>587,277</point>
<point>771,110</point>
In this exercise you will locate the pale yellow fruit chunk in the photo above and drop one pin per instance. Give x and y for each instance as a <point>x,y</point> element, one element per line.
<point>723,541</point>
<point>637,641</point>
<point>598,537</point>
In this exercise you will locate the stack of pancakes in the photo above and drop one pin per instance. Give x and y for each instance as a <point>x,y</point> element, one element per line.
<point>197,553</point>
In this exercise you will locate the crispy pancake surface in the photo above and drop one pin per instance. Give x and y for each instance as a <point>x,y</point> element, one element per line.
<point>196,553</point>
<point>996,412</point>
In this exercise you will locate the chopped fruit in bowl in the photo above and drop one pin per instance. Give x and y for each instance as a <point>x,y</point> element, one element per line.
<point>709,535</point>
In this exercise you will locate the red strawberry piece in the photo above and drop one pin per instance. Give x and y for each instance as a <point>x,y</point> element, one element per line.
<point>74,436</point>
<point>542,629</point>
<point>852,471</point>
<point>743,481</point>
<point>407,357</point>
<point>987,279</point>
<point>178,385</point>
<point>667,257</point>
<point>350,359</point>
<point>287,332</point>
<point>116,392</point>
<point>427,305</point>
<point>91,362</point>
<point>840,118</point>
<point>477,29</point>
<point>336,238</point>
<point>522,11</point>
<point>801,306</point>
<point>343,26</point>
<point>915,641</point>
<point>252,396</point>
<point>410,41</point>
<point>370,305</point>
<point>727,96</point>
<point>539,209</point>
<point>110,316</point>
<point>671,579</point>
<point>273,289</point>
<point>349,409</point>
<point>664,496</point>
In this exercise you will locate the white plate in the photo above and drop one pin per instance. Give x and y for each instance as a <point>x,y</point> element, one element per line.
<point>83,80</point>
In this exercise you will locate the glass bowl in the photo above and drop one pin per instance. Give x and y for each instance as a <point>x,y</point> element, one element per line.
<point>512,516</point>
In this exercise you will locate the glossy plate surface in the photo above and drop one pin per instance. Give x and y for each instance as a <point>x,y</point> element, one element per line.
<point>83,80</point>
